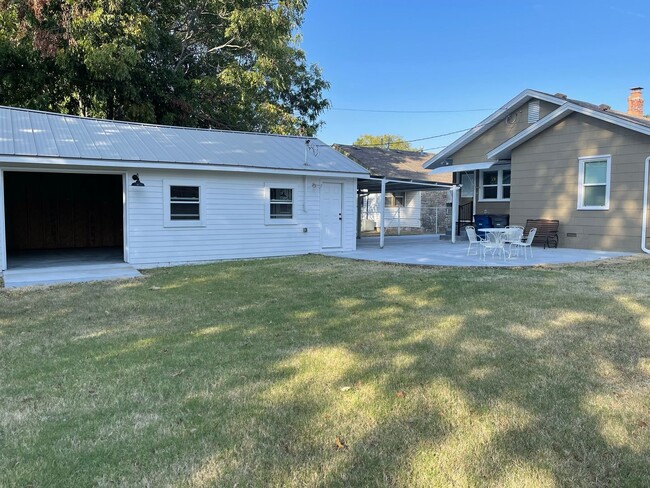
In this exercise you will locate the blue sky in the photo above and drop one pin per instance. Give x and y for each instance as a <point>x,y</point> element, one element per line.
<point>466,55</point>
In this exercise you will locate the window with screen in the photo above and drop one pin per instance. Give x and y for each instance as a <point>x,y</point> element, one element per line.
<point>281,203</point>
<point>184,202</point>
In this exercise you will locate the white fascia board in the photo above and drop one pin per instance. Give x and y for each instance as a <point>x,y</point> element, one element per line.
<point>489,122</point>
<point>461,168</point>
<point>432,184</point>
<point>503,150</point>
<point>627,124</point>
<point>104,163</point>
<point>554,117</point>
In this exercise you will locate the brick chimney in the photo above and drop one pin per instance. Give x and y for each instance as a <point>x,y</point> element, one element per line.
<point>635,102</point>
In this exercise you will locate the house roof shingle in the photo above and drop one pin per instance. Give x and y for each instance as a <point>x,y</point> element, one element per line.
<point>392,163</point>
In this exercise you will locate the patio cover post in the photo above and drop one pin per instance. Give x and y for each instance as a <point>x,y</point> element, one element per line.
<point>382,208</point>
<point>454,212</point>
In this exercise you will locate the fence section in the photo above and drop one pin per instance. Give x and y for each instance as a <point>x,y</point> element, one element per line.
<point>421,218</point>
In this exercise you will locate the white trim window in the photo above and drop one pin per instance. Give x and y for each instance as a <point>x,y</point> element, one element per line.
<point>395,199</point>
<point>594,175</point>
<point>183,204</point>
<point>280,204</point>
<point>494,185</point>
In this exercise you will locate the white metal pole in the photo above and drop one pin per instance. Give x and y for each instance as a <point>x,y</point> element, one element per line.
<point>382,209</point>
<point>399,222</point>
<point>3,234</point>
<point>454,212</point>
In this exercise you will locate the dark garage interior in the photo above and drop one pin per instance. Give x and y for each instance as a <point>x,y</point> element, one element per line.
<point>56,218</point>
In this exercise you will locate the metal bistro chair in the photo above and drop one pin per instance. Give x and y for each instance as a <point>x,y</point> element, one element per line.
<point>474,240</point>
<point>493,242</point>
<point>527,244</point>
<point>514,233</point>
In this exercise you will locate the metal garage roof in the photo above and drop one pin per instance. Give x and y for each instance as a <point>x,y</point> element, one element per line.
<point>43,134</point>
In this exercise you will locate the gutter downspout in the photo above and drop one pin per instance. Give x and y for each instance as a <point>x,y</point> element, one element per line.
<point>644,223</point>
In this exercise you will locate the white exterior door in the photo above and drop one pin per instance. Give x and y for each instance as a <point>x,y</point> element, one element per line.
<point>331,214</point>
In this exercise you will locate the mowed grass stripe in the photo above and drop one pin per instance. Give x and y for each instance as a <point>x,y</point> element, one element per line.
<point>246,373</point>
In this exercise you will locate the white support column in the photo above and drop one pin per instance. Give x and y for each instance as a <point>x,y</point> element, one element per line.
<point>399,222</point>
<point>382,209</point>
<point>454,212</point>
<point>3,233</point>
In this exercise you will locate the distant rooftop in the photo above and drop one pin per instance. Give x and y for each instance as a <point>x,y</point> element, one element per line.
<point>392,163</point>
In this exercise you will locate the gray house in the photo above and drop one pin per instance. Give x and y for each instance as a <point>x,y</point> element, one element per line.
<point>550,156</point>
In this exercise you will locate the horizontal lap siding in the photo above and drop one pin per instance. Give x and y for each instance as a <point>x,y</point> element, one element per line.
<point>234,209</point>
<point>409,214</point>
<point>475,151</point>
<point>545,183</point>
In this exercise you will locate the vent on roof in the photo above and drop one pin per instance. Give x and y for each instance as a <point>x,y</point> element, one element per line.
<point>533,111</point>
<point>604,107</point>
<point>561,95</point>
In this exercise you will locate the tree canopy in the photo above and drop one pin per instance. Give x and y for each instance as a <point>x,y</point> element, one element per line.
<point>232,64</point>
<point>387,141</point>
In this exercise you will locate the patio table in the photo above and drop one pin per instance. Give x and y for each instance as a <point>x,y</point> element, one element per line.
<point>499,233</point>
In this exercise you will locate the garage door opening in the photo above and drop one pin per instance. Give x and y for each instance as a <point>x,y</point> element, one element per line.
<point>61,219</point>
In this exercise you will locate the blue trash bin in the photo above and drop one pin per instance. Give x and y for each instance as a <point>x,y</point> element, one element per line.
<point>482,222</point>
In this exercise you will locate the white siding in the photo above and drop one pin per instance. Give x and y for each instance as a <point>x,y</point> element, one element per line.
<point>409,214</point>
<point>234,227</point>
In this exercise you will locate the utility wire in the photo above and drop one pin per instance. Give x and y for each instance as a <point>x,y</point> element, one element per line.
<point>422,138</point>
<point>341,109</point>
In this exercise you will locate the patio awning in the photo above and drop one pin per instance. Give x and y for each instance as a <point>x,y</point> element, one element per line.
<point>373,185</point>
<point>458,168</point>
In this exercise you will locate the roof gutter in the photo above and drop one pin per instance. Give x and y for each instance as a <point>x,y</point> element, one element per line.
<point>644,223</point>
<point>70,163</point>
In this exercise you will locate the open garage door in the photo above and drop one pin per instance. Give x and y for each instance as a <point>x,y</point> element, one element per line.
<point>63,212</point>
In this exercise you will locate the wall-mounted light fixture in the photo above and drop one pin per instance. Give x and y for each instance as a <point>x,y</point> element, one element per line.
<point>136,180</point>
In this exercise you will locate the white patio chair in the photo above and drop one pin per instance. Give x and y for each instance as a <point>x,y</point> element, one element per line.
<point>514,233</point>
<point>474,240</point>
<point>527,244</point>
<point>494,243</point>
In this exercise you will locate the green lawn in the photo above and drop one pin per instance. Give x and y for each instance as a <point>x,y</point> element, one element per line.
<point>245,373</point>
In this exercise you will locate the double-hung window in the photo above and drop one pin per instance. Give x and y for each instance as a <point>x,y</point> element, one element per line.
<point>395,199</point>
<point>594,182</point>
<point>280,204</point>
<point>183,205</point>
<point>494,185</point>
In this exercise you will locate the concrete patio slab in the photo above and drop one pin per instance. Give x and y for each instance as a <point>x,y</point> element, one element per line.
<point>429,250</point>
<point>68,274</point>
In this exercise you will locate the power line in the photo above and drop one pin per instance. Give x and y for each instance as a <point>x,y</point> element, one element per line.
<point>432,148</point>
<point>342,109</point>
<point>421,138</point>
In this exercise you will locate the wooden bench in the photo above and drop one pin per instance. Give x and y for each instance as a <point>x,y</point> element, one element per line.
<point>547,231</point>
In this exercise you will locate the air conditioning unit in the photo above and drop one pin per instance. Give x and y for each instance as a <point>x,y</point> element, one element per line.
<point>367,225</point>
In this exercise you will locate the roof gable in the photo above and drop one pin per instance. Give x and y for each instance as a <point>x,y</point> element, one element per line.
<point>30,133</point>
<point>490,122</point>
<point>574,106</point>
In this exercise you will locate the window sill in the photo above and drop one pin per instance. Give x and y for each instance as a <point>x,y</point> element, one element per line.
<point>593,208</point>
<point>183,224</point>
<point>281,222</point>
<point>493,200</point>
